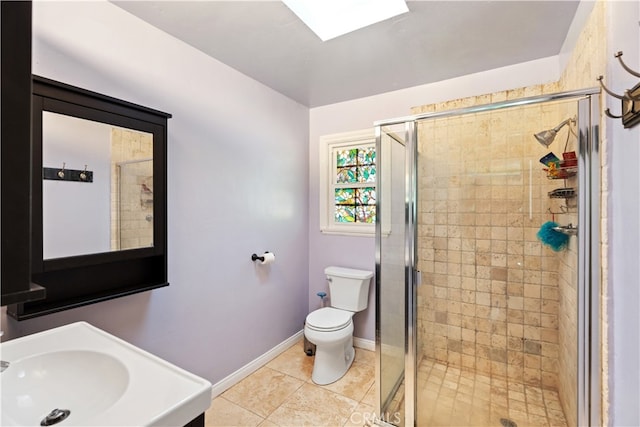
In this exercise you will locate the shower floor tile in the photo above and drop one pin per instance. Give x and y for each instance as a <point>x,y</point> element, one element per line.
<point>449,396</point>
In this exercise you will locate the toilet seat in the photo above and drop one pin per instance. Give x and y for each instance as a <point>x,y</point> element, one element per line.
<point>328,319</point>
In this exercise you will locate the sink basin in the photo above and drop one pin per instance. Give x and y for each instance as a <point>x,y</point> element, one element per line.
<point>63,379</point>
<point>100,379</point>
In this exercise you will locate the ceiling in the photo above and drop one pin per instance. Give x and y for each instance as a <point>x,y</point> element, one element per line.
<point>435,40</point>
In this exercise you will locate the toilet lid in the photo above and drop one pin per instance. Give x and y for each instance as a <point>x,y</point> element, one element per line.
<point>329,319</point>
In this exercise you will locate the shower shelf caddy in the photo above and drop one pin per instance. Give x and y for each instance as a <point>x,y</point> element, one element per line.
<point>562,172</point>
<point>562,169</point>
<point>562,193</point>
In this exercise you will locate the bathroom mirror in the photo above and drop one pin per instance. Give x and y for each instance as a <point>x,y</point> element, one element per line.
<point>112,208</point>
<point>98,198</point>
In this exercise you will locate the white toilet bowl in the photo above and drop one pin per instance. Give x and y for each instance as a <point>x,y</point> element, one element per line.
<point>331,330</point>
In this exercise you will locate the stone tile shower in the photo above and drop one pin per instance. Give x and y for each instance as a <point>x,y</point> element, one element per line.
<point>490,300</point>
<point>494,316</point>
<point>131,189</point>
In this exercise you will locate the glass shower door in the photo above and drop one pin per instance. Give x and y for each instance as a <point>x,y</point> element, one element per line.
<point>391,235</point>
<point>498,314</point>
<point>503,329</point>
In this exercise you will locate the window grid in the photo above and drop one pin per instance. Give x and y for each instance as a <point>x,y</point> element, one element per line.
<point>354,184</point>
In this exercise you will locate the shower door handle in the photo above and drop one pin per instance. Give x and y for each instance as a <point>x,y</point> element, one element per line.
<point>417,277</point>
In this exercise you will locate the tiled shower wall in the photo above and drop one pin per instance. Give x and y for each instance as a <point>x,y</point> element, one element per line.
<point>471,303</point>
<point>490,296</point>
<point>131,189</point>
<point>557,331</point>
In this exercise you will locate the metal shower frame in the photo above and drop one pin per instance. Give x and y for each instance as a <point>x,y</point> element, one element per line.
<point>589,268</point>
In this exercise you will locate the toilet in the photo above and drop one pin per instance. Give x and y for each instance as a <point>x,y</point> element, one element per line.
<point>331,328</point>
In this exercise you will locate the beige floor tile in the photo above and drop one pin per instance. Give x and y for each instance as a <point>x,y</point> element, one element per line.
<point>556,418</point>
<point>490,401</point>
<point>494,420</point>
<point>520,418</point>
<point>294,362</point>
<point>440,419</point>
<point>370,397</point>
<point>459,419</point>
<point>537,420</point>
<point>283,393</point>
<point>313,406</point>
<point>263,391</point>
<point>537,410</point>
<point>223,413</point>
<point>480,418</point>
<point>361,416</point>
<point>365,356</point>
<point>355,383</point>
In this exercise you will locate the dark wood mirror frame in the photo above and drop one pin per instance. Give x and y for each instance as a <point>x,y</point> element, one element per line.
<point>15,133</point>
<point>85,279</point>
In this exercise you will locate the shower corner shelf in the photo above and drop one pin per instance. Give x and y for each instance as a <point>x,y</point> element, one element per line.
<point>562,193</point>
<point>562,172</point>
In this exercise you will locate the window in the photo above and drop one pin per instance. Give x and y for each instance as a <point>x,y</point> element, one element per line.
<point>354,178</point>
<point>348,183</point>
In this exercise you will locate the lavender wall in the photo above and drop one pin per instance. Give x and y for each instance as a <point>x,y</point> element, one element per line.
<point>622,238</point>
<point>234,146</point>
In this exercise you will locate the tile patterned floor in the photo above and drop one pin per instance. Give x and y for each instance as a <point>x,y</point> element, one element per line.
<point>448,396</point>
<point>281,393</point>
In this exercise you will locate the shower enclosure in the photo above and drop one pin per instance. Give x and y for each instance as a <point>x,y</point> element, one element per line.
<point>132,204</point>
<point>487,264</point>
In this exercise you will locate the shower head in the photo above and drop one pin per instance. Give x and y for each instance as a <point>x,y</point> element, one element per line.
<point>546,137</point>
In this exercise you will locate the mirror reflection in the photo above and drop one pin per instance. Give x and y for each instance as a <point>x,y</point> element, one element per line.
<point>111,211</point>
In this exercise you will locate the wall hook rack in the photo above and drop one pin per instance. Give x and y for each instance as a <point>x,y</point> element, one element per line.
<point>630,100</point>
<point>83,175</point>
<point>64,174</point>
<point>627,69</point>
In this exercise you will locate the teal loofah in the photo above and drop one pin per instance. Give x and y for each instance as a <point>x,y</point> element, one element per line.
<point>552,238</point>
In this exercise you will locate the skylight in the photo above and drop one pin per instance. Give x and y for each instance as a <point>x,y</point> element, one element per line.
<point>333,18</point>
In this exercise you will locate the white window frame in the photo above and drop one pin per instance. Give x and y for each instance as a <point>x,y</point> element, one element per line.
<point>327,167</point>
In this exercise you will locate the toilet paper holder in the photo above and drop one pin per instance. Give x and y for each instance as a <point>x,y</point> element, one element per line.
<point>255,257</point>
<point>266,258</point>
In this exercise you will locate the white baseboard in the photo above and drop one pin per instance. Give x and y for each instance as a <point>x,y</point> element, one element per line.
<point>237,376</point>
<point>364,344</point>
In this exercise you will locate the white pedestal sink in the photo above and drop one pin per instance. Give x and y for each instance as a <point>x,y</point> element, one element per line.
<point>100,379</point>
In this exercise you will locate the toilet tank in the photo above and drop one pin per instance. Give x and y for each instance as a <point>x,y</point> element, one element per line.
<point>349,288</point>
